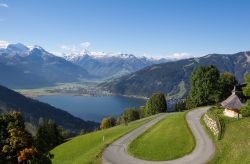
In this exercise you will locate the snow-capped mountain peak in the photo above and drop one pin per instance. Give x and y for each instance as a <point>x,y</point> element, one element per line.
<point>36,47</point>
<point>17,48</point>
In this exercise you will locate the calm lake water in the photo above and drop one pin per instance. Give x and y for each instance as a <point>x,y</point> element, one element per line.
<point>92,108</point>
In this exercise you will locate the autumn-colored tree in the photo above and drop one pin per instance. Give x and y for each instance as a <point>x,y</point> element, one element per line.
<point>16,144</point>
<point>107,122</point>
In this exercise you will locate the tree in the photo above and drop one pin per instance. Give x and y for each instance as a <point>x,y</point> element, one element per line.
<point>204,86</point>
<point>246,90</point>
<point>108,122</point>
<point>16,144</point>
<point>142,112</point>
<point>48,135</point>
<point>112,121</point>
<point>245,110</point>
<point>82,132</point>
<point>180,106</point>
<point>130,114</point>
<point>104,123</point>
<point>227,81</point>
<point>156,104</point>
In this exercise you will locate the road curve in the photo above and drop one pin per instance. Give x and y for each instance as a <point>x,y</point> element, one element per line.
<point>116,153</point>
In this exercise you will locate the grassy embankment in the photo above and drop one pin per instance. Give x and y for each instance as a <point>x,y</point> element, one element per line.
<point>88,148</point>
<point>169,139</point>
<point>234,146</point>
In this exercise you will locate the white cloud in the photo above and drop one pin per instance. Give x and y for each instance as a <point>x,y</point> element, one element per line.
<point>181,55</point>
<point>85,45</point>
<point>82,47</point>
<point>3,44</point>
<point>64,47</point>
<point>174,56</point>
<point>4,5</point>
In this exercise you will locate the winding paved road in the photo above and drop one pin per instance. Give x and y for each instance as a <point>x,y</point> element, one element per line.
<point>116,153</point>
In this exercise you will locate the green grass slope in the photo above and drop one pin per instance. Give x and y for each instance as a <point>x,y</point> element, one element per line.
<point>235,144</point>
<point>88,148</point>
<point>168,139</point>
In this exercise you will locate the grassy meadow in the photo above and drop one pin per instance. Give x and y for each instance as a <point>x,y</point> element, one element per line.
<point>88,148</point>
<point>168,139</point>
<point>234,147</point>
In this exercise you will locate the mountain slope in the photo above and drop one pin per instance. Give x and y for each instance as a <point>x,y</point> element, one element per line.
<point>31,67</point>
<point>32,110</point>
<point>172,78</point>
<point>110,65</point>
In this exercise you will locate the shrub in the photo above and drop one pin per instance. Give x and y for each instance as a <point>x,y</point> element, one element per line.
<point>213,113</point>
<point>245,111</point>
<point>130,114</point>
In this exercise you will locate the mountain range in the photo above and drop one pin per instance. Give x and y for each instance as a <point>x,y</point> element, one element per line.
<point>25,67</point>
<point>110,65</point>
<point>30,67</point>
<point>172,78</point>
<point>32,110</point>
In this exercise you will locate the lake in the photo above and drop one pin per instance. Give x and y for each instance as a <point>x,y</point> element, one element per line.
<point>91,107</point>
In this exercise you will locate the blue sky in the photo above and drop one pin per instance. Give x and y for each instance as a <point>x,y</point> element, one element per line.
<point>152,27</point>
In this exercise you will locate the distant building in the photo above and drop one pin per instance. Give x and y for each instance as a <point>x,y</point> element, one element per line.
<point>233,103</point>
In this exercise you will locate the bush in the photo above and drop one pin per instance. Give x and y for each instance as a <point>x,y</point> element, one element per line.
<point>216,110</point>
<point>130,114</point>
<point>213,113</point>
<point>245,111</point>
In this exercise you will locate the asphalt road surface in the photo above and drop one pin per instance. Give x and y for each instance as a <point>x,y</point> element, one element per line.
<point>116,153</point>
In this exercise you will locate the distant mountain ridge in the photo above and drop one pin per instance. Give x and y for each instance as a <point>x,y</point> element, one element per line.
<point>21,66</point>
<point>32,110</point>
<point>108,65</point>
<point>31,67</point>
<point>172,78</point>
